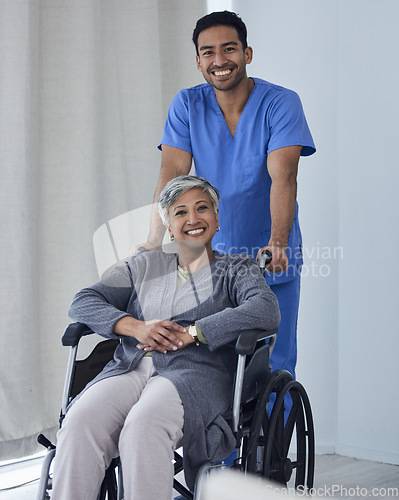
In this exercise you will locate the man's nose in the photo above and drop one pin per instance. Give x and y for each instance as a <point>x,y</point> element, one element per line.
<point>220,58</point>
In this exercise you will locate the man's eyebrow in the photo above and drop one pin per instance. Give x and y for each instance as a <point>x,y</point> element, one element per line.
<point>207,47</point>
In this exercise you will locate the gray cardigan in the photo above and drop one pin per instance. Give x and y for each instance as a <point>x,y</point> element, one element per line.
<point>224,298</point>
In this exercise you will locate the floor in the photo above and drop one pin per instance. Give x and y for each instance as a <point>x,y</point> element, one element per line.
<point>335,476</point>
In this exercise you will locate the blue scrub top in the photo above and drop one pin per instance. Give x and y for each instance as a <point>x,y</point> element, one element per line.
<point>272,118</point>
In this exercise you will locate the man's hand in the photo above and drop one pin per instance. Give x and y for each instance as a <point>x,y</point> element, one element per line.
<point>145,246</point>
<point>279,262</point>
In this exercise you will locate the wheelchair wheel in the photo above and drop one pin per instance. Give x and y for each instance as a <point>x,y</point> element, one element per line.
<point>270,437</point>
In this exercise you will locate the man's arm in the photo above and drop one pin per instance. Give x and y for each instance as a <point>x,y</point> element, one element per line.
<point>282,165</point>
<point>174,162</point>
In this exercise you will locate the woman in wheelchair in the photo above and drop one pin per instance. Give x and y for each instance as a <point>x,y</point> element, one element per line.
<point>177,316</point>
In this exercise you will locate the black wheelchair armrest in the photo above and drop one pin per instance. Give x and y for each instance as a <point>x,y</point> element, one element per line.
<point>247,340</point>
<point>73,333</point>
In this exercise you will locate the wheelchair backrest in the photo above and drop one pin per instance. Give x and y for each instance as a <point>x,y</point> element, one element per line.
<point>86,369</point>
<point>256,372</point>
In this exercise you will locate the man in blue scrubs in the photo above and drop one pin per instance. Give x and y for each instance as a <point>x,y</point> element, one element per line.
<point>245,136</point>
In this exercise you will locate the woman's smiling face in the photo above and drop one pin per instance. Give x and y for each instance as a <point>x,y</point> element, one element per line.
<point>192,219</point>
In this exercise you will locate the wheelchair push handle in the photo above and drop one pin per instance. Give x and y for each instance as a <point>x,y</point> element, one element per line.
<point>264,259</point>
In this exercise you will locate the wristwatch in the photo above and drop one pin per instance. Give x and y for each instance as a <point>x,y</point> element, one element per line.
<point>192,330</point>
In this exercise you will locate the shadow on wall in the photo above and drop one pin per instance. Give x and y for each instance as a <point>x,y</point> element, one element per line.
<point>115,240</point>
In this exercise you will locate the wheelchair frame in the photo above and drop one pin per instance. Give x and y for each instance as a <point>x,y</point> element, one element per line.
<point>263,437</point>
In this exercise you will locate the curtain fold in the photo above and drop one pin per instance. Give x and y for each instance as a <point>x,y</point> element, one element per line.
<point>84,90</point>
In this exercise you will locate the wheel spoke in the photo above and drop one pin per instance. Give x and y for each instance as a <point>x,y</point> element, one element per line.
<point>290,424</point>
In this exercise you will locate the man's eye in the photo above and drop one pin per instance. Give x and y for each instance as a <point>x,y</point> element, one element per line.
<point>207,53</point>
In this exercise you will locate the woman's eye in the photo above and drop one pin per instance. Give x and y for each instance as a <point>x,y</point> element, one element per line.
<point>180,212</point>
<point>202,208</point>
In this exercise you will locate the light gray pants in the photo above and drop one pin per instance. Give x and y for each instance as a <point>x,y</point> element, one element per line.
<point>138,416</point>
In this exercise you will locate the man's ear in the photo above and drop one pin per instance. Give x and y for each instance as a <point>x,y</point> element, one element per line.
<point>248,53</point>
<point>197,59</point>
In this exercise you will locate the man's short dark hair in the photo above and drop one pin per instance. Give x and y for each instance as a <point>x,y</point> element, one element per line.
<point>224,18</point>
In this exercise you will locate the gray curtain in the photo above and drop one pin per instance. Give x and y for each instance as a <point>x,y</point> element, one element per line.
<point>84,90</point>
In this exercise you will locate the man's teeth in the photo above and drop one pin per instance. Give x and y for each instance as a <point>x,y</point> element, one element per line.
<point>195,231</point>
<point>223,73</point>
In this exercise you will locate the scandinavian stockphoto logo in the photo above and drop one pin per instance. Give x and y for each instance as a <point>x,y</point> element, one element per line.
<point>335,490</point>
<point>114,241</point>
<point>319,260</point>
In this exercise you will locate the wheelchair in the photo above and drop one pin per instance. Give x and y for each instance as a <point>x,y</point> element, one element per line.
<point>276,444</point>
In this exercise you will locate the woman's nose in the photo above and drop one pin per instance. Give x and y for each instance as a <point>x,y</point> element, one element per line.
<point>193,217</point>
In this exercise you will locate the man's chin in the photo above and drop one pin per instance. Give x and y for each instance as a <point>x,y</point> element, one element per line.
<point>224,86</point>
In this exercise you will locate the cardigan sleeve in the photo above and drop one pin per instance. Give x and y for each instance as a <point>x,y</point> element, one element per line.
<point>103,304</point>
<point>254,305</point>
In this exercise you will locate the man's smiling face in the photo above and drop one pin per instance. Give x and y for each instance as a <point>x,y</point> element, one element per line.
<point>222,59</point>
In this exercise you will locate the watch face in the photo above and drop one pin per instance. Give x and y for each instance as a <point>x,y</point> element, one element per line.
<point>192,330</point>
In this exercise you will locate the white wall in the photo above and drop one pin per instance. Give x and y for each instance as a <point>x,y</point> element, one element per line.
<point>369,182</point>
<point>341,57</point>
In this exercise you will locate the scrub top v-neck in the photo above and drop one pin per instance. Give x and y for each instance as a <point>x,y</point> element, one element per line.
<point>240,120</point>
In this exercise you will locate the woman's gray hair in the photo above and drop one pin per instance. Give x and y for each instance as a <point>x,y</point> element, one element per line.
<point>178,186</point>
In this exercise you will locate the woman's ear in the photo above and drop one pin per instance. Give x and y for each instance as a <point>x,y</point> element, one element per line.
<point>169,231</point>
